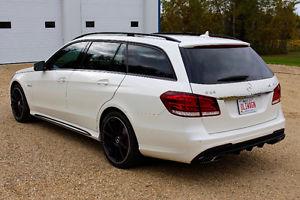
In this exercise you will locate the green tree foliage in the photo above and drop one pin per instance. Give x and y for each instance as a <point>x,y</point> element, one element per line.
<point>267,24</point>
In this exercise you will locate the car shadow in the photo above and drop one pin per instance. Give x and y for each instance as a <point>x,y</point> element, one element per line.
<point>247,164</point>
<point>67,134</point>
<point>231,165</point>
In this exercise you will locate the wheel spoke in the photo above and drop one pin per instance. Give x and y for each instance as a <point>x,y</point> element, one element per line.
<point>121,144</point>
<point>115,139</point>
<point>14,99</point>
<point>18,102</point>
<point>111,127</point>
<point>107,134</point>
<point>124,131</point>
<point>21,106</point>
<point>121,152</point>
<point>19,109</point>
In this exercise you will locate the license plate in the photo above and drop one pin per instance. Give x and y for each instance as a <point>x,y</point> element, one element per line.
<point>246,106</point>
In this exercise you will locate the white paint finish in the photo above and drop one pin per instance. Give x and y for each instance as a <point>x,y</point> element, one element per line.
<point>151,16</point>
<point>203,40</point>
<point>50,101</point>
<point>71,12</point>
<point>183,41</point>
<point>115,15</point>
<point>99,87</point>
<point>230,118</point>
<point>109,16</point>
<point>160,134</point>
<point>28,40</point>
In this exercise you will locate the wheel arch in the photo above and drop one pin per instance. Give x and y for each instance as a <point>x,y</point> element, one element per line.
<point>16,81</point>
<point>109,108</point>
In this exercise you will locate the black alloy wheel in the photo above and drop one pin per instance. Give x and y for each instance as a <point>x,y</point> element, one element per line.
<point>19,104</point>
<point>119,141</point>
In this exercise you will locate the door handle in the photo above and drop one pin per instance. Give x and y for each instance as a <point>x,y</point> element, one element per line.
<point>62,80</point>
<point>104,82</point>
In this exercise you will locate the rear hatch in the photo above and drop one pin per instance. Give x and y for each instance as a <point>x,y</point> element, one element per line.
<point>240,81</point>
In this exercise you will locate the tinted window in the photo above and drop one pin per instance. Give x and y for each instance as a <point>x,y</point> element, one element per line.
<point>90,24</point>
<point>67,58</point>
<point>149,61</point>
<point>106,56</point>
<point>134,24</point>
<point>5,24</point>
<point>221,65</point>
<point>50,24</point>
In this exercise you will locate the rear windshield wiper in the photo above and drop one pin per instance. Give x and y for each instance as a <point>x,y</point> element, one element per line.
<point>233,78</point>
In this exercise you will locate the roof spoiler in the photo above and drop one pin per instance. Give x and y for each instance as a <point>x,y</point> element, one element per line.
<point>207,34</point>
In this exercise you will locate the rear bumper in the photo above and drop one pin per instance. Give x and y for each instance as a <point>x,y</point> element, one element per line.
<point>186,143</point>
<point>219,151</point>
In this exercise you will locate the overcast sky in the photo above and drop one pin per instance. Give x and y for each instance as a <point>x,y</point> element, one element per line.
<point>298,9</point>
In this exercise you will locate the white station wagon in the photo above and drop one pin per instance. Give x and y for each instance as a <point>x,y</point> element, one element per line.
<point>175,97</point>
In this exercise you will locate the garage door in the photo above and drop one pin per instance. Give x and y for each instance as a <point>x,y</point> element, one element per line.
<point>112,15</point>
<point>29,30</point>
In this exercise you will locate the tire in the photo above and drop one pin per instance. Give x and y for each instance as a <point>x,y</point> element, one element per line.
<point>19,105</point>
<point>119,141</point>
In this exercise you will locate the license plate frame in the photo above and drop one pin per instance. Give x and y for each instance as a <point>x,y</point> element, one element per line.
<point>247,105</point>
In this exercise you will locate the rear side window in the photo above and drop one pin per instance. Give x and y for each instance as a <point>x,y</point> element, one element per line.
<point>106,56</point>
<point>148,61</point>
<point>67,58</point>
<point>217,65</point>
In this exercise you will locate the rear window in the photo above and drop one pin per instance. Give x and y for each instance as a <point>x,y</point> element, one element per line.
<point>217,65</point>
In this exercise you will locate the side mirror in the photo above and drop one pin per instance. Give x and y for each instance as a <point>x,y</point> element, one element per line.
<point>39,66</point>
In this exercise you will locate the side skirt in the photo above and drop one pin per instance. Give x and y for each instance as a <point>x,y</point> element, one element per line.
<point>65,125</point>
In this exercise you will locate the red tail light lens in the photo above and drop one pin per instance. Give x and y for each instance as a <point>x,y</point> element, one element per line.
<point>209,106</point>
<point>182,104</point>
<point>276,95</point>
<point>190,105</point>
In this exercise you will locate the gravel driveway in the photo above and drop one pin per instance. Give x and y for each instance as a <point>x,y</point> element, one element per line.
<point>41,161</point>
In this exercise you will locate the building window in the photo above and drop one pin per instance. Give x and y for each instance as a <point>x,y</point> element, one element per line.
<point>5,24</point>
<point>50,24</point>
<point>90,24</point>
<point>134,24</point>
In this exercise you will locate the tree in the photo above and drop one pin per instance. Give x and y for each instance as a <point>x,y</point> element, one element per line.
<point>267,24</point>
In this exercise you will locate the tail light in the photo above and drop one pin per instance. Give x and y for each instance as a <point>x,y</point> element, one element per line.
<point>190,105</point>
<point>276,95</point>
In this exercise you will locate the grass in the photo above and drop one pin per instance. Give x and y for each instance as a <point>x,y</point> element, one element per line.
<point>291,59</point>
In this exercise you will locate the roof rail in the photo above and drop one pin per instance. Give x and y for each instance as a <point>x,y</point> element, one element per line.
<point>197,34</point>
<point>130,34</point>
<point>177,33</point>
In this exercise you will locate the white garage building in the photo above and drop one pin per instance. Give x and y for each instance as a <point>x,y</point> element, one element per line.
<point>31,30</point>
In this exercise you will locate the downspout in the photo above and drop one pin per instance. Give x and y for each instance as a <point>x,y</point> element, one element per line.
<point>159,15</point>
<point>81,25</point>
